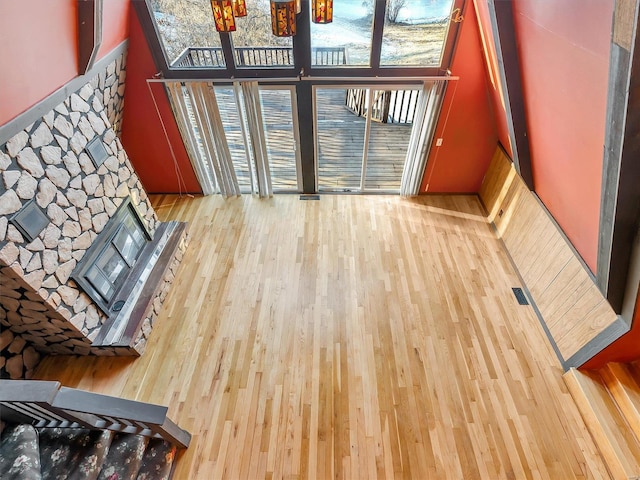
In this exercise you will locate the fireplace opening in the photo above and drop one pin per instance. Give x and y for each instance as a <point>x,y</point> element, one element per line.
<point>109,261</point>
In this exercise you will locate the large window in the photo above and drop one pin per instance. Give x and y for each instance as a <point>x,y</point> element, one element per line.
<point>187,33</point>
<point>347,40</point>
<point>415,32</point>
<point>372,35</point>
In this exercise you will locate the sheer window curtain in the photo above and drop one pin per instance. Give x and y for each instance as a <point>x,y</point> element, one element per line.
<point>183,113</point>
<point>255,128</point>
<point>198,116</point>
<point>426,118</point>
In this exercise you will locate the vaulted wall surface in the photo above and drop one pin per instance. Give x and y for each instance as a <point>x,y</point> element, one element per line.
<point>39,52</point>
<point>150,133</point>
<point>493,74</point>
<point>467,123</point>
<point>564,60</point>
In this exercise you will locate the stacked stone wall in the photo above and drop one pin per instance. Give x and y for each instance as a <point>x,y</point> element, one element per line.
<point>41,306</point>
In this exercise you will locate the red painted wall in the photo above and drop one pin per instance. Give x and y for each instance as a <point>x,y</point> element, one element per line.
<point>143,136</point>
<point>38,51</point>
<point>564,53</point>
<point>466,124</point>
<point>39,48</point>
<point>493,74</point>
<point>115,25</point>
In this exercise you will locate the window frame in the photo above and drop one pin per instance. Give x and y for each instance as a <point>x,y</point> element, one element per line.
<point>301,51</point>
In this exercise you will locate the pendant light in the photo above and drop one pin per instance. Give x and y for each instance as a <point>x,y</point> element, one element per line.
<point>322,11</point>
<point>223,15</point>
<point>239,8</point>
<point>283,18</point>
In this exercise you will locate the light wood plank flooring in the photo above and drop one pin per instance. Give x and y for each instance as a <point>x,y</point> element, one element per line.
<point>351,337</point>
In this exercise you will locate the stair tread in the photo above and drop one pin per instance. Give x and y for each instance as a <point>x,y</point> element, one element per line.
<point>623,387</point>
<point>76,453</point>
<point>124,458</point>
<point>610,431</point>
<point>19,453</point>
<point>157,463</point>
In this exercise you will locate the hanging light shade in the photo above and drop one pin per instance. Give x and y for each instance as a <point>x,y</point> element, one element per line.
<point>223,15</point>
<point>322,11</point>
<point>283,18</point>
<point>239,8</point>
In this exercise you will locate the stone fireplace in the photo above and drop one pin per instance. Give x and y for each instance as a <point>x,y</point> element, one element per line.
<point>50,301</point>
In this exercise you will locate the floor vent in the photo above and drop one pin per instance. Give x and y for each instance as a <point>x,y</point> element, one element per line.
<point>309,197</point>
<point>522,300</point>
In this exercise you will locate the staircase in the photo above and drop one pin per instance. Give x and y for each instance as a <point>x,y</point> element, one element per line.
<point>609,401</point>
<point>54,432</point>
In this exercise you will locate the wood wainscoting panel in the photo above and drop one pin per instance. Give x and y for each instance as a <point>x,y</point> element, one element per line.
<point>568,300</point>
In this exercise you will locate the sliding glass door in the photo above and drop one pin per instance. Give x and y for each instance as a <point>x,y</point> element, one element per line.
<point>280,119</point>
<point>240,140</point>
<point>362,137</point>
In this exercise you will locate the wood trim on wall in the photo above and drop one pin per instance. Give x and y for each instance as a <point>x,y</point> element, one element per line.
<point>578,320</point>
<point>620,198</point>
<point>506,46</point>
<point>89,33</point>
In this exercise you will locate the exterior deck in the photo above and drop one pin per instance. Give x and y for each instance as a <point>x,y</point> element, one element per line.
<point>340,142</point>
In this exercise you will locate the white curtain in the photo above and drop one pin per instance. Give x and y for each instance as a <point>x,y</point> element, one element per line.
<point>183,112</point>
<point>214,137</point>
<point>425,120</point>
<point>198,116</point>
<point>258,146</point>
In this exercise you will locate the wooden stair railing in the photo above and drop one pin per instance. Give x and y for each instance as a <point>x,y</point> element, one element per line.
<point>609,402</point>
<point>46,404</point>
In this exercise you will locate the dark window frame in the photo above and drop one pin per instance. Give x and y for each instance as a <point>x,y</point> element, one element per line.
<point>301,51</point>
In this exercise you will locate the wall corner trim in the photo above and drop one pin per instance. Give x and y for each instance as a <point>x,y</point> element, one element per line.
<point>89,33</point>
<point>598,343</point>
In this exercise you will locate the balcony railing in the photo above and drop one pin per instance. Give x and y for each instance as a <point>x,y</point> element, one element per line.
<point>388,106</point>
<point>212,57</point>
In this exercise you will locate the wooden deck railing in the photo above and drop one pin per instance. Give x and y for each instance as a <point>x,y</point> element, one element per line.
<point>46,404</point>
<point>389,106</point>
<point>212,57</point>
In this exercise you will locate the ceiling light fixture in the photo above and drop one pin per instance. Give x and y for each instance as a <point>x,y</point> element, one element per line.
<point>239,8</point>
<point>223,15</point>
<point>322,11</point>
<point>283,18</point>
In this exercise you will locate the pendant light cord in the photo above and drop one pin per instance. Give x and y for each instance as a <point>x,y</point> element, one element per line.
<point>180,178</point>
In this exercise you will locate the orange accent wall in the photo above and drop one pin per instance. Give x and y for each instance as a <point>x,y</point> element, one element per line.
<point>493,74</point>
<point>466,124</point>
<point>115,25</point>
<point>38,51</point>
<point>142,134</point>
<point>564,54</point>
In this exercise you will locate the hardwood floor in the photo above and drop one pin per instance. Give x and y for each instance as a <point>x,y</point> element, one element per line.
<point>351,337</point>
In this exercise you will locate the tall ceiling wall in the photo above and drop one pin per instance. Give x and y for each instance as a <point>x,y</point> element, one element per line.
<point>564,64</point>
<point>39,53</point>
